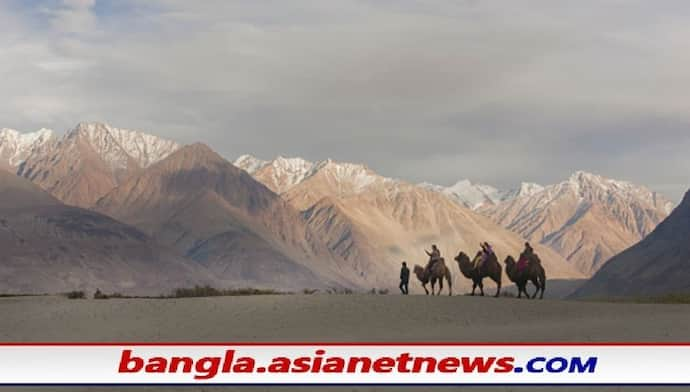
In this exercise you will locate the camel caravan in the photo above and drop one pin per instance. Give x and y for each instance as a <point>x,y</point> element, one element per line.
<point>485,264</point>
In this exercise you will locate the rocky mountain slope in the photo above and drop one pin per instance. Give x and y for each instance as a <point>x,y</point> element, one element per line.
<point>375,222</point>
<point>280,174</point>
<point>249,163</point>
<point>586,219</point>
<point>92,159</point>
<point>218,215</point>
<point>659,264</point>
<point>290,223</point>
<point>50,247</point>
<point>16,147</point>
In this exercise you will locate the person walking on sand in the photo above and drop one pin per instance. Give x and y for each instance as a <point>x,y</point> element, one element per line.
<point>404,278</point>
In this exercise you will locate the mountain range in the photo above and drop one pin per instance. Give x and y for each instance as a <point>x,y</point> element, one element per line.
<point>586,219</point>
<point>658,265</point>
<point>477,196</point>
<point>218,215</point>
<point>48,246</point>
<point>90,160</point>
<point>289,223</point>
<point>367,216</point>
<point>15,147</point>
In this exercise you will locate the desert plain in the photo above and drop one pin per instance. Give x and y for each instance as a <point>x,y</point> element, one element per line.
<point>337,318</point>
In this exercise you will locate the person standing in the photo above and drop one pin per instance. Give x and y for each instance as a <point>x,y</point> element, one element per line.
<point>404,278</point>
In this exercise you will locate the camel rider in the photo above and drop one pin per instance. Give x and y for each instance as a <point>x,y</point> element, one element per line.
<point>526,254</point>
<point>529,251</point>
<point>487,251</point>
<point>434,256</point>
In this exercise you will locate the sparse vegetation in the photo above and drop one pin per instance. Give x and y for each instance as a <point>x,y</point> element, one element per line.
<point>208,291</point>
<point>375,291</point>
<point>100,295</point>
<point>75,295</point>
<point>339,291</point>
<point>9,295</point>
<point>310,291</point>
<point>196,291</point>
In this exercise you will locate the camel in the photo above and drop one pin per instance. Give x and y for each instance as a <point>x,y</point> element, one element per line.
<point>490,269</point>
<point>437,273</point>
<point>533,272</point>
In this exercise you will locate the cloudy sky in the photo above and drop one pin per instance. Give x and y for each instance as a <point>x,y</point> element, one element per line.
<point>495,91</point>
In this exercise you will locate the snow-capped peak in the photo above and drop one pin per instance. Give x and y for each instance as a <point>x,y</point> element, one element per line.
<point>15,147</point>
<point>355,175</point>
<point>298,166</point>
<point>525,189</point>
<point>279,174</point>
<point>581,177</point>
<point>585,183</point>
<point>593,186</point>
<point>288,172</point>
<point>116,145</point>
<point>282,173</point>
<point>529,188</point>
<point>250,163</point>
<point>25,139</point>
<point>468,194</point>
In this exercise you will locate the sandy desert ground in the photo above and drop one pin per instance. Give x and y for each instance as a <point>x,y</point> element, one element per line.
<point>336,318</point>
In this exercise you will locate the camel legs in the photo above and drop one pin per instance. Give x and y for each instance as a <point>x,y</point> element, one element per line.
<point>522,288</point>
<point>440,286</point>
<point>479,284</point>
<point>543,285</point>
<point>540,289</point>
<point>498,288</point>
<point>536,284</point>
<point>433,287</point>
<point>424,287</point>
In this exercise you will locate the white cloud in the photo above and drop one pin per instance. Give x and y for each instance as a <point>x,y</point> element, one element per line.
<point>496,91</point>
<point>73,16</point>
